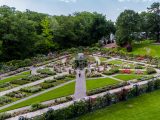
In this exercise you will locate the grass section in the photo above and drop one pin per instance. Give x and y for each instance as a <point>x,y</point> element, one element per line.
<point>56,93</point>
<point>146,48</point>
<point>145,107</point>
<point>101,82</point>
<point>128,77</point>
<point>113,62</point>
<point>102,59</point>
<point>9,79</point>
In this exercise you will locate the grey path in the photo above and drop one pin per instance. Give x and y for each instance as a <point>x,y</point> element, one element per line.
<point>8,105</point>
<point>97,60</point>
<point>80,88</point>
<point>28,85</point>
<point>40,112</point>
<point>106,76</point>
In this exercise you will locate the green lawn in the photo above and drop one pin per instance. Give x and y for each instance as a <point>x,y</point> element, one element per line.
<point>146,48</point>
<point>128,77</point>
<point>62,91</point>
<point>9,79</point>
<point>101,82</point>
<point>102,59</point>
<point>118,62</point>
<point>145,107</point>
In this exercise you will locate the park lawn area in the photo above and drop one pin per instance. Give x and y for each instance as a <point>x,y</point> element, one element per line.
<point>113,62</point>
<point>53,94</point>
<point>99,83</point>
<point>145,48</point>
<point>102,59</point>
<point>144,107</point>
<point>15,77</point>
<point>128,77</point>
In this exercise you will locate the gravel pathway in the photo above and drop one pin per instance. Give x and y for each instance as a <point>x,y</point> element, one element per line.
<point>80,88</point>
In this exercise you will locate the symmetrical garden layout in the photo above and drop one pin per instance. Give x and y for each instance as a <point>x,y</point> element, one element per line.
<point>54,83</point>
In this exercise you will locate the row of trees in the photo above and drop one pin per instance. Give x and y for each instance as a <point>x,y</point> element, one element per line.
<point>24,34</point>
<point>133,26</point>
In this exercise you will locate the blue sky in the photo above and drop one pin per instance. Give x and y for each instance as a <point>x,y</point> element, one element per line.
<point>110,8</point>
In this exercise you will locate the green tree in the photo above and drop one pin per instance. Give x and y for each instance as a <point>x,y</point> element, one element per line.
<point>155,19</point>
<point>127,24</point>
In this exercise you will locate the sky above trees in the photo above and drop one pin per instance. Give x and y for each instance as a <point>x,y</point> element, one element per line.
<point>111,8</point>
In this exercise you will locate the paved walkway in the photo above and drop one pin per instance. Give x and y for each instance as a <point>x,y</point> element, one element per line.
<point>112,78</point>
<point>80,88</point>
<point>40,112</point>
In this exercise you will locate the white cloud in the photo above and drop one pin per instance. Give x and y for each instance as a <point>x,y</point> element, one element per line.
<point>68,1</point>
<point>138,0</point>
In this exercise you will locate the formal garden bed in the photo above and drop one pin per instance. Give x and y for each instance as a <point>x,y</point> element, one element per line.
<point>28,91</point>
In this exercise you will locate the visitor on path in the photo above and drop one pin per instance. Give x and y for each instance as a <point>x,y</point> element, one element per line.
<point>79,74</point>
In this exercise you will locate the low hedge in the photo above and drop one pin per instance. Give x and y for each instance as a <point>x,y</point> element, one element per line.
<point>111,71</point>
<point>4,100</point>
<point>33,89</point>
<point>19,82</point>
<point>46,71</point>
<point>150,71</point>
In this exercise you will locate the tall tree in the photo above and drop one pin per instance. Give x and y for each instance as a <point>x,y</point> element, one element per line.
<point>127,24</point>
<point>155,19</point>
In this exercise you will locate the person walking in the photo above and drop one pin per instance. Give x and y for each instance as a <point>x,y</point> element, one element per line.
<point>79,74</point>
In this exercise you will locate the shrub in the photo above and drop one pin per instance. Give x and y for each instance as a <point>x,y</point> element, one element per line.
<point>62,77</point>
<point>32,78</point>
<point>112,71</point>
<point>46,71</point>
<point>150,70</point>
<point>3,85</point>
<point>50,81</point>
<point>16,94</point>
<point>126,71</point>
<point>46,85</point>
<point>4,100</point>
<point>4,116</point>
<point>138,67</point>
<point>19,82</point>
<point>37,106</point>
<point>33,89</point>
<point>94,75</point>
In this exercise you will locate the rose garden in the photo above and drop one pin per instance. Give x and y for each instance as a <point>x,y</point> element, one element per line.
<point>52,83</point>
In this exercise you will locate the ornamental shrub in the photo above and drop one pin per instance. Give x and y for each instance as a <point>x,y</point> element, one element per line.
<point>150,70</point>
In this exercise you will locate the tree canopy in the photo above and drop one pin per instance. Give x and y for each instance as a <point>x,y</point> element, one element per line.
<point>24,34</point>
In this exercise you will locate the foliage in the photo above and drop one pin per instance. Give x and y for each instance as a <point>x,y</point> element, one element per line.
<point>111,72</point>
<point>4,116</point>
<point>46,71</point>
<point>36,106</point>
<point>127,23</point>
<point>4,100</point>
<point>150,70</point>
